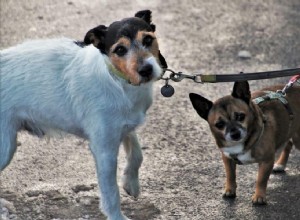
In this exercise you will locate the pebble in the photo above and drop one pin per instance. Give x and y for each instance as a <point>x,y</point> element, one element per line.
<point>244,54</point>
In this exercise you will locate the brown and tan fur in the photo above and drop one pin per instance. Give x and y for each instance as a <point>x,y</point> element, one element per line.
<point>249,133</point>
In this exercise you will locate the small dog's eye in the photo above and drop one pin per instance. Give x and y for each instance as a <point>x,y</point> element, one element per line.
<point>220,125</point>
<point>147,41</point>
<point>120,51</point>
<point>239,116</point>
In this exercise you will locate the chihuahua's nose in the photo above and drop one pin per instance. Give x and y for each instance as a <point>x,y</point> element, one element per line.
<point>235,134</point>
<point>145,70</point>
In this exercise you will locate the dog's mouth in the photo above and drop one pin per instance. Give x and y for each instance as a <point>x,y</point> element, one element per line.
<point>235,135</point>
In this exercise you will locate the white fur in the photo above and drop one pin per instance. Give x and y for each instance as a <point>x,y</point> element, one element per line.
<point>236,149</point>
<point>57,85</point>
<point>244,157</point>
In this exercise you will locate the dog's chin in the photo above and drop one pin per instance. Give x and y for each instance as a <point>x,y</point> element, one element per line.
<point>230,143</point>
<point>141,81</point>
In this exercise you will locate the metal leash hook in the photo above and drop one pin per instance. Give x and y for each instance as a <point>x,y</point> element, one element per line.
<point>167,90</point>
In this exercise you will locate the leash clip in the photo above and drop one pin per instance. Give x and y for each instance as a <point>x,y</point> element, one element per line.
<point>177,77</point>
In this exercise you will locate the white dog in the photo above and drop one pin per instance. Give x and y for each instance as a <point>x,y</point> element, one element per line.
<point>99,92</point>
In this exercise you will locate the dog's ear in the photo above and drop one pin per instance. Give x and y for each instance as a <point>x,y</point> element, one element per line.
<point>201,105</point>
<point>162,60</point>
<point>146,16</point>
<point>241,90</point>
<point>96,36</point>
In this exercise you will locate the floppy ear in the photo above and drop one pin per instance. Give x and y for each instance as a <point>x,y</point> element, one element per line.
<point>146,16</point>
<point>96,36</point>
<point>201,105</point>
<point>241,90</point>
<point>162,60</point>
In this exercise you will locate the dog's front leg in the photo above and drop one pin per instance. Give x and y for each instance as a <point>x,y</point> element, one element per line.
<point>230,186</point>
<point>264,171</point>
<point>105,148</point>
<point>134,160</point>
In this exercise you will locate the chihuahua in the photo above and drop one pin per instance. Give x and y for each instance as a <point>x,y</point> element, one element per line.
<point>252,131</point>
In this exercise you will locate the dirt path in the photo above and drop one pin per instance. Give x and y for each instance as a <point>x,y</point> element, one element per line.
<point>182,175</point>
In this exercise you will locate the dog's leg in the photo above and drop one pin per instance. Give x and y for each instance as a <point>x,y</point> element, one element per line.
<point>296,139</point>
<point>230,186</point>
<point>264,171</point>
<point>8,141</point>
<point>280,164</point>
<point>105,148</point>
<point>134,160</point>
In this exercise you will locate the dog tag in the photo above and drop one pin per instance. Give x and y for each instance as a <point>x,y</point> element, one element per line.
<point>167,90</point>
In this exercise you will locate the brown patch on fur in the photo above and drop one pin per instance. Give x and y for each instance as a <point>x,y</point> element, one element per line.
<point>154,49</point>
<point>126,64</point>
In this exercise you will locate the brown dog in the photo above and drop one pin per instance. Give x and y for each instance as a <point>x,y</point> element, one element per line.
<point>253,131</point>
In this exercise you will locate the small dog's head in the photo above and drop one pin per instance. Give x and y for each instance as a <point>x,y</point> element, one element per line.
<point>229,117</point>
<point>131,46</point>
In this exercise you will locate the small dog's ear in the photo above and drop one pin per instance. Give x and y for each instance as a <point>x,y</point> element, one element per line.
<point>241,90</point>
<point>96,36</point>
<point>146,16</point>
<point>162,60</point>
<point>201,105</point>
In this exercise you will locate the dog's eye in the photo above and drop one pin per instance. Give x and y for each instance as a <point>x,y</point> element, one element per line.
<point>239,116</point>
<point>147,41</point>
<point>220,125</point>
<point>120,51</point>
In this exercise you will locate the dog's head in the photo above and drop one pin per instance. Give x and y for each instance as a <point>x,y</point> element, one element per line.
<point>131,46</point>
<point>229,117</point>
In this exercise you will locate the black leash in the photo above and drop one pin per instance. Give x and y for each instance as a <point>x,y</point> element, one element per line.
<point>167,90</point>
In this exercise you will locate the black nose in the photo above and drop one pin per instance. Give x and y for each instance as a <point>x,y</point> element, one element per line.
<point>235,134</point>
<point>145,70</point>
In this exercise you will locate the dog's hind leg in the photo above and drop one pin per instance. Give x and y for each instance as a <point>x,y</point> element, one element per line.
<point>8,141</point>
<point>134,160</point>
<point>280,164</point>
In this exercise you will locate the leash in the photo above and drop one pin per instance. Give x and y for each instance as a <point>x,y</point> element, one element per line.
<point>167,90</point>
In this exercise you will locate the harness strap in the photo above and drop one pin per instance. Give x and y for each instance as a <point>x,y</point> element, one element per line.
<point>275,96</point>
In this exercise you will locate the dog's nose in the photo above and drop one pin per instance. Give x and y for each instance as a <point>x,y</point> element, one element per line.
<point>145,70</point>
<point>235,134</point>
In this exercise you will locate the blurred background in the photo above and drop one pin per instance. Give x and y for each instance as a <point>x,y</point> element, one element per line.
<point>182,176</point>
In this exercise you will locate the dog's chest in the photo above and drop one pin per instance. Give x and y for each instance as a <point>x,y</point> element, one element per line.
<point>136,113</point>
<point>238,154</point>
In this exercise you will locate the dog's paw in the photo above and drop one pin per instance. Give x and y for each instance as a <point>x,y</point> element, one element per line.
<point>131,186</point>
<point>229,194</point>
<point>278,168</point>
<point>118,217</point>
<point>259,200</point>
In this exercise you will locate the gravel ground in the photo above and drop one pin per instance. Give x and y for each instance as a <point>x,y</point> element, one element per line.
<point>182,176</point>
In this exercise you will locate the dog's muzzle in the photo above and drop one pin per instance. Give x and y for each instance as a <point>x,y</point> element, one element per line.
<point>146,71</point>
